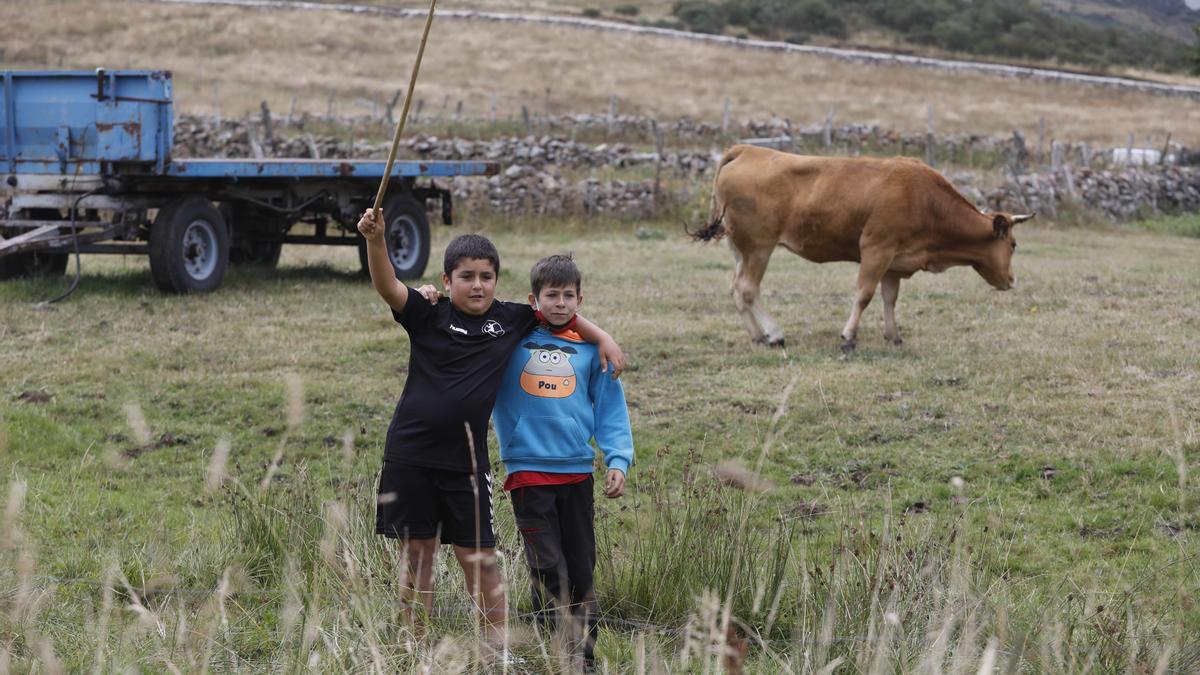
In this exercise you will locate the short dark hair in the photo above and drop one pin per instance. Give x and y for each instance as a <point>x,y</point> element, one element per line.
<point>473,247</point>
<point>554,270</point>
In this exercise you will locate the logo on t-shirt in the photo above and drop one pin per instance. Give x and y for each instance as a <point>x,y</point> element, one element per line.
<point>548,372</point>
<point>456,329</point>
<point>493,328</point>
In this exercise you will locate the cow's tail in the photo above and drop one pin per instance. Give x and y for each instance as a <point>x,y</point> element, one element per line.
<point>715,229</point>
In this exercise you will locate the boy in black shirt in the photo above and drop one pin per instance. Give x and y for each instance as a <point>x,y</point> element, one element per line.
<point>435,479</point>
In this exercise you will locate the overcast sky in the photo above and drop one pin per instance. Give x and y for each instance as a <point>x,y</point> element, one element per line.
<point>1193,4</point>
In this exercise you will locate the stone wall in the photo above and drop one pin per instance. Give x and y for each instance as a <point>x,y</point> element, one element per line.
<point>1121,194</point>
<point>532,179</point>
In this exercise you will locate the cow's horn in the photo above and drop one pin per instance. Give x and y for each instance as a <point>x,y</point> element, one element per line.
<point>1020,219</point>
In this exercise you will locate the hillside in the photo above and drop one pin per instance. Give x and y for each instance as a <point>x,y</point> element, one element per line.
<point>1096,35</point>
<point>228,60</point>
<point>1006,30</point>
<point>1170,18</point>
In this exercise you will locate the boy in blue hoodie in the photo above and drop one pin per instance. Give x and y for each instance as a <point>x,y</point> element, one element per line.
<point>553,400</point>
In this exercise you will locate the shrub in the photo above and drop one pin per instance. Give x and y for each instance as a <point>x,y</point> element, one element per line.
<point>591,12</point>
<point>1005,28</point>
<point>627,10</point>
<point>813,16</point>
<point>700,16</point>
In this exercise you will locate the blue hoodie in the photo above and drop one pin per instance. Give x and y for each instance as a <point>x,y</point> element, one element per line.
<point>553,401</point>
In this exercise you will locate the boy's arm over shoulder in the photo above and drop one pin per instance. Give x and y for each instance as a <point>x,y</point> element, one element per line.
<point>383,275</point>
<point>610,352</point>
<point>612,430</point>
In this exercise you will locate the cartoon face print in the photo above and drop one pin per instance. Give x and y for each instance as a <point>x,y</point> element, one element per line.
<point>548,372</point>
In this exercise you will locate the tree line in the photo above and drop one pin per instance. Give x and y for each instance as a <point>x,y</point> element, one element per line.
<point>1014,29</point>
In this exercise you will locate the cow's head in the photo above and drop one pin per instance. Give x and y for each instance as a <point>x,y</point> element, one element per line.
<point>996,264</point>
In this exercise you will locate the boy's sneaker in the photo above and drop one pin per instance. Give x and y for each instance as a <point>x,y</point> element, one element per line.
<point>504,658</point>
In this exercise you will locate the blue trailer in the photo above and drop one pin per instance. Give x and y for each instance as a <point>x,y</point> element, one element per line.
<point>86,159</point>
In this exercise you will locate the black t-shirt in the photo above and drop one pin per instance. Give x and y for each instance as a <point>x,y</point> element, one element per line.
<point>454,372</point>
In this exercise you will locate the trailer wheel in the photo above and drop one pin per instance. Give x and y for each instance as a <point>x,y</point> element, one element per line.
<point>33,263</point>
<point>407,237</point>
<point>258,253</point>
<point>189,247</point>
<point>246,225</point>
<point>14,266</point>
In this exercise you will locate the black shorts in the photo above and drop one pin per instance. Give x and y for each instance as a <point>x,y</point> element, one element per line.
<point>417,502</point>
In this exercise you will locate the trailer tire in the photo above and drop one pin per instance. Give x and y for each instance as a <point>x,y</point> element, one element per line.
<point>189,247</point>
<point>257,253</point>
<point>14,266</point>
<point>406,236</point>
<point>34,263</point>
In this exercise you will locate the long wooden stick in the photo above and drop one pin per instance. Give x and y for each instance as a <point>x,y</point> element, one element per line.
<point>412,84</point>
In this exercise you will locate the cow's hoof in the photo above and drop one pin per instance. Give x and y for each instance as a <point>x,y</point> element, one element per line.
<point>848,346</point>
<point>768,341</point>
<point>895,340</point>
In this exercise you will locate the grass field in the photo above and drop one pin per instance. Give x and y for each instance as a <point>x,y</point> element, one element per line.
<point>232,59</point>
<point>1068,408</point>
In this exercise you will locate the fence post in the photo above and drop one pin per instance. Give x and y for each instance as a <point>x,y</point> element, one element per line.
<point>1041,148</point>
<point>252,136</point>
<point>329,110</point>
<point>658,158</point>
<point>1016,166</point>
<point>493,109</point>
<point>1065,167</point>
<point>827,134</point>
<point>1085,153</point>
<point>445,106</point>
<point>268,134</point>
<point>291,113</point>
<point>525,118</point>
<point>1162,159</point>
<point>217,99</point>
<point>725,116</point>
<point>458,111</point>
<point>930,150</point>
<point>1129,150</point>
<point>612,114</point>
<point>391,106</point>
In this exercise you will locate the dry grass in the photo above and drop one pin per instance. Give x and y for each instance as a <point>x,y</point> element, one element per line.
<point>1049,405</point>
<point>256,55</point>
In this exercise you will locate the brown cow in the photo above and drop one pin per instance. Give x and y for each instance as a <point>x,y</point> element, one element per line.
<point>892,216</point>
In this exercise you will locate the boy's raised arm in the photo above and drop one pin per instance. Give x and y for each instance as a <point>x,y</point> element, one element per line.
<point>610,351</point>
<point>383,275</point>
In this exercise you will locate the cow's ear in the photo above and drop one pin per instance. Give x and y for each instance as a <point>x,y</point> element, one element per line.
<point>1000,226</point>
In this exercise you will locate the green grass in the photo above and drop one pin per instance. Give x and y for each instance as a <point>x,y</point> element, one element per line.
<point>1183,225</point>
<point>1067,406</point>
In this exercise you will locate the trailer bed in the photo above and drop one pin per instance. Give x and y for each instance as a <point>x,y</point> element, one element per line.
<point>323,168</point>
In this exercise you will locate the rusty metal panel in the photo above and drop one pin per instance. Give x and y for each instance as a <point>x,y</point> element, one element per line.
<point>70,121</point>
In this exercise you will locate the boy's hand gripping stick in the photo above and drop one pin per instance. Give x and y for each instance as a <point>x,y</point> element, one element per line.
<point>412,83</point>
